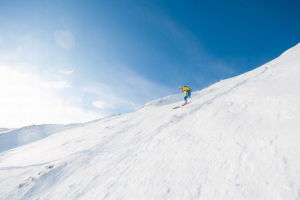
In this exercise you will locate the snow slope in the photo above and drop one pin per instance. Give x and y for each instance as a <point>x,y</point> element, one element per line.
<point>238,139</point>
<point>12,138</point>
<point>3,129</point>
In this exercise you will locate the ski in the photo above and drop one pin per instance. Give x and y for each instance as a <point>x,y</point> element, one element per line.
<point>176,107</point>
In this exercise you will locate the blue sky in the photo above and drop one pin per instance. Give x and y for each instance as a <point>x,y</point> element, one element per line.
<point>97,58</point>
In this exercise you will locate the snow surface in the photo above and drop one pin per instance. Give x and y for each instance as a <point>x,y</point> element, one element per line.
<point>238,139</point>
<point>12,138</point>
<point>3,129</point>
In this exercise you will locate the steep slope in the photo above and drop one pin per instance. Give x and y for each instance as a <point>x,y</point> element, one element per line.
<point>238,139</point>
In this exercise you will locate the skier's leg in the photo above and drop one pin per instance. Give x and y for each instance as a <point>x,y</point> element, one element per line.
<point>185,98</point>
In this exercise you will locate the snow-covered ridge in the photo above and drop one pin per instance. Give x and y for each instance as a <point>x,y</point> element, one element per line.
<point>289,56</point>
<point>237,139</point>
<point>3,130</point>
<point>11,138</point>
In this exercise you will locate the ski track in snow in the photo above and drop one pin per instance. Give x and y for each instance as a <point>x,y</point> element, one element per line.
<point>237,139</point>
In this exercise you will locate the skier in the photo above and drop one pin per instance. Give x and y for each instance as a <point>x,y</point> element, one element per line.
<point>187,93</point>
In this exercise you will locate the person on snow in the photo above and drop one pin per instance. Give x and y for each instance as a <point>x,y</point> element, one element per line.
<point>187,93</point>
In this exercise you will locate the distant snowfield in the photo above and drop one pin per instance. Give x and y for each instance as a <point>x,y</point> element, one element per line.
<point>238,139</point>
<point>3,129</point>
<point>12,138</point>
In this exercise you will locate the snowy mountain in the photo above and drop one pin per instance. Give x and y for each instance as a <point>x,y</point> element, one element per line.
<point>3,130</point>
<point>11,138</point>
<point>238,139</point>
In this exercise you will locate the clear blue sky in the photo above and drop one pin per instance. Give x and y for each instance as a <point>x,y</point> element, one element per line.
<point>112,56</point>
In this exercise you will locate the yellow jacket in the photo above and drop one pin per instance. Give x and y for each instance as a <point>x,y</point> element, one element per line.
<point>185,90</point>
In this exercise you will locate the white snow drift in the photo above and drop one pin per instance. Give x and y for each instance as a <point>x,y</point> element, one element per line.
<point>238,139</point>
